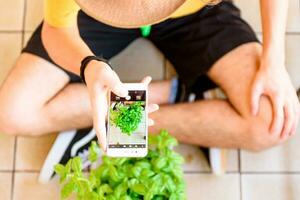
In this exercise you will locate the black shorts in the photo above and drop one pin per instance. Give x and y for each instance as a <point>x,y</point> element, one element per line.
<point>191,43</point>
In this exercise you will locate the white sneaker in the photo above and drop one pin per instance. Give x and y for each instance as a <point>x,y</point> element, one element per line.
<point>68,144</point>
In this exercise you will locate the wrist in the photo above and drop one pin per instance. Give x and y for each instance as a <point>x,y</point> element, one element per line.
<point>87,61</point>
<point>92,69</point>
<point>273,57</point>
<point>274,49</point>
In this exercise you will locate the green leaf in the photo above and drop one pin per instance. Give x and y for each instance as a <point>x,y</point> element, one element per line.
<point>94,152</point>
<point>61,171</point>
<point>67,190</point>
<point>68,166</point>
<point>114,175</point>
<point>104,189</point>
<point>121,190</point>
<point>77,165</point>
<point>159,163</point>
<point>126,197</point>
<point>139,188</point>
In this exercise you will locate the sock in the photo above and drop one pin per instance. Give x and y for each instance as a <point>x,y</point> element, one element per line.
<point>174,90</point>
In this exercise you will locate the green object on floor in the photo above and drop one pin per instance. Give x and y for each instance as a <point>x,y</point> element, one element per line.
<point>145,30</point>
<point>158,176</point>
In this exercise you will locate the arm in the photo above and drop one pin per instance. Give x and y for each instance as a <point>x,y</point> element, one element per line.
<point>63,44</point>
<point>274,18</point>
<point>67,49</point>
<point>272,78</point>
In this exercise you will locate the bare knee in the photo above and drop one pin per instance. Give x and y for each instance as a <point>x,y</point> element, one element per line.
<point>258,136</point>
<point>15,117</point>
<point>12,120</point>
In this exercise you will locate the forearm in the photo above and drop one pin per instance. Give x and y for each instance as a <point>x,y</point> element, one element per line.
<point>65,46</point>
<point>274,17</point>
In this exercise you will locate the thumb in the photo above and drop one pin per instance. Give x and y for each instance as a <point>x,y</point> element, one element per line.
<point>99,108</point>
<point>146,80</point>
<point>256,93</point>
<point>114,83</point>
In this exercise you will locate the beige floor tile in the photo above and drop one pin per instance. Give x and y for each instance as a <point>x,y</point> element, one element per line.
<point>195,160</point>
<point>11,15</point>
<point>210,187</point>
<point>141,58</point>
<point>32,151</point>
<point>251,13</point>
<point>10,49</point>
<point>34,14</point>
<point>284,158</point>
<point>271,186</point>
<point>28,188</point>
<point>6,152</point>
<point>170,71</point>
<point>293,57</point>
<point>5,185</point>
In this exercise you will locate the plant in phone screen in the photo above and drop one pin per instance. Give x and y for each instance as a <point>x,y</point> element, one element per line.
<point>158,176</point>
<point>127,117</point>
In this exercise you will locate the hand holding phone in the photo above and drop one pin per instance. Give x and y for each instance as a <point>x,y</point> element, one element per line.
<point>127,130</point>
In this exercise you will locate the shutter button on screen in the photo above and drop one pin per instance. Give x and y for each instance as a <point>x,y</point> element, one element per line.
<point>128,97</point>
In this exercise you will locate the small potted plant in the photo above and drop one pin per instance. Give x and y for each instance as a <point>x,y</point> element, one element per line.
<point>158,176</point>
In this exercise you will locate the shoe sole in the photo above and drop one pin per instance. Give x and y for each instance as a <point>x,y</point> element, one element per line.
<point>55,155</point>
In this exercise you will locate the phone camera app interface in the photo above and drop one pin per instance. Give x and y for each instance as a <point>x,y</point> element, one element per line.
<point>127,120</point>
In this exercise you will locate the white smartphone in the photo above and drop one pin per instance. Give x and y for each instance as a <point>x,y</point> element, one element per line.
<point>127,127</point>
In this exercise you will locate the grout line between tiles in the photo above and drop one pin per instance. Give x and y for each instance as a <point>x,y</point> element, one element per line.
<point>10,31</point>
<point>271,173</point>
<point>286,33</point>
<point>23,22</point>
<point>209,172</point>
<point>13,171</point>
<point>16,138</point>
<point>27,171</point>
<point>240,175</point>
<point>6,171</point>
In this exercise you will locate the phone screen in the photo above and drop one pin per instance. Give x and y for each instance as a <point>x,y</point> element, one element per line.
<point>127,120</point>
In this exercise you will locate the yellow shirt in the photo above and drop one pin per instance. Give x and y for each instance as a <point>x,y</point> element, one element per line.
<point>63,13</point>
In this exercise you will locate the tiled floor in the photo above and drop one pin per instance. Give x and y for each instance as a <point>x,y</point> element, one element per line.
<point>273,174</point>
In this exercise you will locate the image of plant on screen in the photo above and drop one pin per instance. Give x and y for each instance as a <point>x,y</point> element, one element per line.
<point>127,117</point>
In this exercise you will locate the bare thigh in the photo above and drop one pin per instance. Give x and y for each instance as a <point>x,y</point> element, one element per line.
<point>31,83</point>
<point>234,73</point>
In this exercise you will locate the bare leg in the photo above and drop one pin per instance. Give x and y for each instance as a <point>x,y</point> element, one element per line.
<point>223,123</point>
<point>42,101</point>
<point>36,99</point>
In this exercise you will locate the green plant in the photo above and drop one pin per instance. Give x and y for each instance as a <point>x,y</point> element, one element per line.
<point>127,117</point>
<point>158,176</point>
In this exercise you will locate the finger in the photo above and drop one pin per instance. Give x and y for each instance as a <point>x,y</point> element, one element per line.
<point>288,121</point>
<point>256,93</point>
<point>99,104</point>
<point>113,82</point>
<point>150,122</point>
<point>146,80</point>
<point>152,108</point>
<point>277,122</point>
